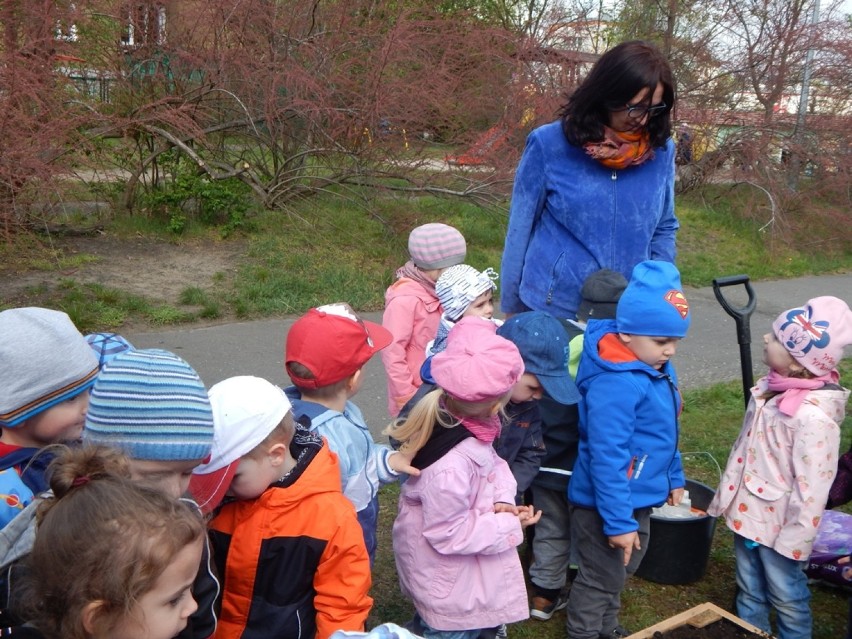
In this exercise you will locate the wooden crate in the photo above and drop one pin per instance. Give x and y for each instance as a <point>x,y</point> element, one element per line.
<point>698,617</point>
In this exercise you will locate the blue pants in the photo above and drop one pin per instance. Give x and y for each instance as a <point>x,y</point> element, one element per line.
<point>767,579</point>
<point>369,520</point>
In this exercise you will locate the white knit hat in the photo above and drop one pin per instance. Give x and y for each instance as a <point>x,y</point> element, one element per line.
<point>460,285</point>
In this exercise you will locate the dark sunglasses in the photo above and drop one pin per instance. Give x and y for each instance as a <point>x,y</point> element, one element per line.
<point>639,111</point>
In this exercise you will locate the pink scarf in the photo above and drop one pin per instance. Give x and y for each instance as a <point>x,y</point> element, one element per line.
<point>484,429</point>
<point>413,273</point>
<point>794,390</point>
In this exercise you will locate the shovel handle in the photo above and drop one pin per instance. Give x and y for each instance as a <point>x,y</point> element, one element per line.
<point>740,313</point>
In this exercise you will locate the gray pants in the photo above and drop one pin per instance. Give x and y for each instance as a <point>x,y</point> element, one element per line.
<point>552,541</point>
<point>596,593</point>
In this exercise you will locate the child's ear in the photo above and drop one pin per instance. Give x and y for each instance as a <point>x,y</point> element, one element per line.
<point>354,379</point>
<point>89,617</point>
<point>277,454</point>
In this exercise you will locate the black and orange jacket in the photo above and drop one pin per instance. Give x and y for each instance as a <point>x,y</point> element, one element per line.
<point>293,562</point>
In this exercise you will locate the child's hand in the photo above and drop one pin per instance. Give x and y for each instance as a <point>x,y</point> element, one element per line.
<point>675,497</point>
<point>627,542</point>
<point>401,463</point>
<point>503,507</point>
<point>528,516</point>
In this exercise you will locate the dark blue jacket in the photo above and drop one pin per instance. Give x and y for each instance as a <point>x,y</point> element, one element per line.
<point>628,455</point>
<point>571,216</point>
<point>520,443</point>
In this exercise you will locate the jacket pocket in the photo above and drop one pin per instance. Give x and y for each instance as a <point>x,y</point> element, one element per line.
<point>445,577</point>
<point>763,489</point>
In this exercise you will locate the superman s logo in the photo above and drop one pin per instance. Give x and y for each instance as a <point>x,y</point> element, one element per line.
<point>676,299</point>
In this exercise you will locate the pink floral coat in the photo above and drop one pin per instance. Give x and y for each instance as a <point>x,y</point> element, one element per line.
<point>776,482</point>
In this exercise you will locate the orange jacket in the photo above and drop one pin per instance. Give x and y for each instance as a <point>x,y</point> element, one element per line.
<point>293,561</point>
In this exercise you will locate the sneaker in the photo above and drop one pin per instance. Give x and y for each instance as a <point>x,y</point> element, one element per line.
<point>543,609</point>
<point>502,632</point>
<point>619,632</point>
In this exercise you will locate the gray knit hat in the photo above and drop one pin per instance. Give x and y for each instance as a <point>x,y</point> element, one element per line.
<point>44,360</point>
<point>436,245</point>
<point>152,405</point>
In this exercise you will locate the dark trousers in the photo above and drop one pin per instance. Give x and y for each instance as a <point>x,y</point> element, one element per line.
<point>596,593</point>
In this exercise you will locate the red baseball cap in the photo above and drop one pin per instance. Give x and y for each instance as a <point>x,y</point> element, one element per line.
<point>332,342</point>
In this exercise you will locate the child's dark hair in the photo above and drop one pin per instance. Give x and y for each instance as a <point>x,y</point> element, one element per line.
<point>101,538</point>
<point>323,392</point>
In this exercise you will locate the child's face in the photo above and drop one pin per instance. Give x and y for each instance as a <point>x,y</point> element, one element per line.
<point>254,475</point>
<point>60,423</point>
<point>162,612</point>
<point>482,306</point>
<point>526,388</point>
<point>653,351</point>
<point>776,357</point>
<point>170,477</point>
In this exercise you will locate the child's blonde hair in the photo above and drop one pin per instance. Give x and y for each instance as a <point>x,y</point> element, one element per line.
<point>101,538</point>
<point>437,407</point>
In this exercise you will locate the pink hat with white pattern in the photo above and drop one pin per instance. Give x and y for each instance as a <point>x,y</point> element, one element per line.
<point>816,334</point>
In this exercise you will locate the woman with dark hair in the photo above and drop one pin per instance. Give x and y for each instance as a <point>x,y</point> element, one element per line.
<point>594,189</point>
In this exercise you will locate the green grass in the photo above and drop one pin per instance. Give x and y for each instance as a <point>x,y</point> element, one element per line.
<point>347,244</point>
<point>721,235</point>
<point>93,307</point>
<point>710,423</point>
<point>347,248</point>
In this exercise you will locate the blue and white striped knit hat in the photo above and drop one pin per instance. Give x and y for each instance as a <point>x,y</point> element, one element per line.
<point>152,405</point>
<point>107,345</point>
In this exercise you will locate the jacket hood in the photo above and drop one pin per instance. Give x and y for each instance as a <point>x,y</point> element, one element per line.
<point>406,287</point>
<point>594,363</point>
<point>316,471</point>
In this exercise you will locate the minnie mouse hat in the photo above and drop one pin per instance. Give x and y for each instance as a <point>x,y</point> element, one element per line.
<point>816,333</point>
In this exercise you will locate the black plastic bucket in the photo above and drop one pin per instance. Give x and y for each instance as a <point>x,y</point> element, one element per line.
<point>680,548</point>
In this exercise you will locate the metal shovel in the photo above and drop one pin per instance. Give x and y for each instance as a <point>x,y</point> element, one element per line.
<point>741,315</point>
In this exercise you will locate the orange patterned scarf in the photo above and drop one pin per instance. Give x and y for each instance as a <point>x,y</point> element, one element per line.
<point>620,149</point>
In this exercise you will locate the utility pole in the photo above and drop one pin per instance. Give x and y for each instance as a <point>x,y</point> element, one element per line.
<point>798,136</point>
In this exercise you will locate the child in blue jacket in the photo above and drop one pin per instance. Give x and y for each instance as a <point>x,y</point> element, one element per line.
<point>627,460</point>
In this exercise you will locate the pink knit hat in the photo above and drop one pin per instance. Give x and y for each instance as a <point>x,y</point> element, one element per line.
<point>436,245</point>
<point>815,334</point>
<point>478,365</point>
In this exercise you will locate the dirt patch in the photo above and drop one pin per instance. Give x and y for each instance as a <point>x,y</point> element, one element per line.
<point>722,629</point>
<point>157,270</point>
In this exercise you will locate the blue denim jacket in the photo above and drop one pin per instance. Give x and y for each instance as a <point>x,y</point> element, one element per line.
<point>571,216</point>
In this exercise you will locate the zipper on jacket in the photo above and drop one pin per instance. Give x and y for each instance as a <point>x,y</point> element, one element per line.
<point>614,231</point>
<point>675,394</point>
<point>549,298</point>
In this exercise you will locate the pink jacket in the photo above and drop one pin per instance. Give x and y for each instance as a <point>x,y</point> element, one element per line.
<point>411,315</point>
<point>455,556</point>
<point>776,482</point>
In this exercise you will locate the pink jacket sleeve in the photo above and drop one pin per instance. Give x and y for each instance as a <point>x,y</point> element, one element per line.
<point>814,459</point>
<point>398,318</point>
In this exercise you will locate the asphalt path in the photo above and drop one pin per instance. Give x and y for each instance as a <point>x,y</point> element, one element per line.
<point>709,354</point>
